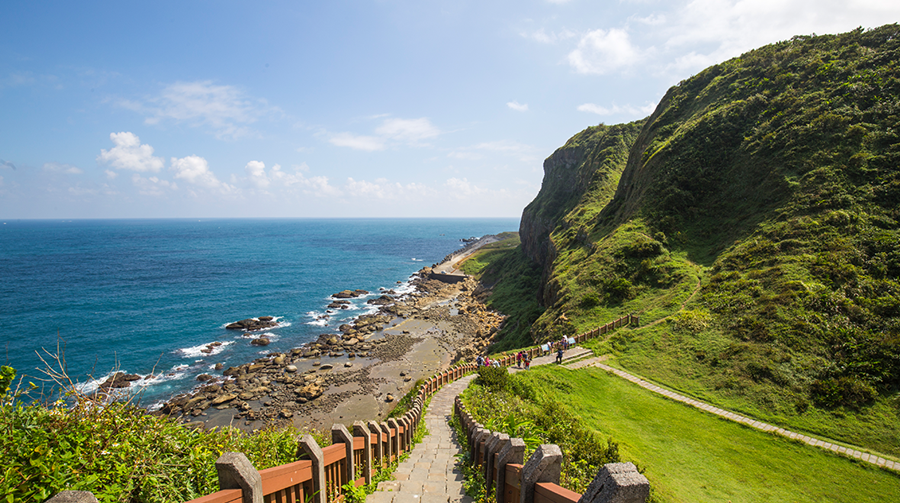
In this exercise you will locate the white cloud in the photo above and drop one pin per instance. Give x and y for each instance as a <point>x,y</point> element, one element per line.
<point>226,110</point>
<point>130,154</point>
<point>382,189</point>
<point>276,179</point>
<point>461,187</point>
<point>110,174</point>
<point>604,51</point>
<point>357,142</point>
<point>552,37</point>
<point>689,35</point>
<point>68,169</point>
<point>408,130</point>
<point>617,110</point>
<point>467,156</point>
<point>519,107</point>
<point>256,170</point>
<point>195,170</point>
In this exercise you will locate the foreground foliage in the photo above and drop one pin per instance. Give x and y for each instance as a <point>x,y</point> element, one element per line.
<point>119,452</point>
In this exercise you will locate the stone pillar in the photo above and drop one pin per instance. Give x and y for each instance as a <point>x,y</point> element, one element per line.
<point>339,434</point>
<point>73,497</point>
<point>236,472</point>
<point>617,483</point>
<point>480,434</point>
<point>512,452</point>
<point>378,453</point>
<point>491,447</point>
<point>395,442</point>
<point>360,430</point>
<point>544,465</point>
<point>309,447</point>
<point>389,445</point>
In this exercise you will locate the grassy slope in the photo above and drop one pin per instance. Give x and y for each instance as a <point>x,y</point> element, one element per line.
<point>771,182</point>
<point>693,456</point>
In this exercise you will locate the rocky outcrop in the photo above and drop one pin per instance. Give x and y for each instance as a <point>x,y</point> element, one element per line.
<point>349,294</point>
<point>253,324</point>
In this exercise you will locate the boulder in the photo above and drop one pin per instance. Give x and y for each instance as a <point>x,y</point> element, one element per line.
<point>262,341</point>
<point>223,398</point>
<point>290,368</point>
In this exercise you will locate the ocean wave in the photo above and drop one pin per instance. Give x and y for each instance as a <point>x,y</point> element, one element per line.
<point>203,350</point>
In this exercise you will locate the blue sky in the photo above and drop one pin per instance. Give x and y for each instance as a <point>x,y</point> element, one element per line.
<point>343,108</point>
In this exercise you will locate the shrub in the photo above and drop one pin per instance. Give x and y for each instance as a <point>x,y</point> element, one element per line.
<point>494,378</point>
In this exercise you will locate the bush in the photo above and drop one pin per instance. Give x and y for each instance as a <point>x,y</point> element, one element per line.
<point>494,378</point>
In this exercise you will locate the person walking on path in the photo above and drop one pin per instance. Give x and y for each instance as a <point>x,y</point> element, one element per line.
<point>519,359</point>
<point>527,360</point>
<point>559,354</point>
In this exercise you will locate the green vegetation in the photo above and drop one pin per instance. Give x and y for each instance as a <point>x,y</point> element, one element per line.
<point>689,455</point>
<point>512,281</point>
<point>119,452</point>
<point>405,403</point>
<point>514,405</point>
<point>755,228</point>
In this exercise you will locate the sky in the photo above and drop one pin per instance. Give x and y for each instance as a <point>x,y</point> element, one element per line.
<point>366,108</point>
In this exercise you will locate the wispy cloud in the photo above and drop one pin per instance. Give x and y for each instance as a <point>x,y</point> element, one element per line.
<point>276,178</point>
<point>152,186</point>
<point>7,164</point>
<point>357,142</point>
<point>225,110</point>
<point>519,107</point>
<point>628,110</point>
<point>68,169</point>
<point>130,154</point>
<point>392,131</point>
<point>549,37</point>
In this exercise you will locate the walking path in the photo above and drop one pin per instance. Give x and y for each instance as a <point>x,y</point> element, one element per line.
<point>430,475</point>
<point>759,425</point>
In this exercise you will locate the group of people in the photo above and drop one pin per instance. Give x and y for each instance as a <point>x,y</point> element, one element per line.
<point>524,358</point>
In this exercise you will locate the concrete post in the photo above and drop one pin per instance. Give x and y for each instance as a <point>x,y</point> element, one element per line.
<point>389,445</point>
<point>378,454</point>
<point>491,447</point>
<point>360,430</point>
<point>309,447</point>
<point>544,465</point>
<point>480,434</point>
<point>617,483</point>
<point>512,452</point>
<point>73,497</point>
<point>339,434</point>
<point>236,472</point>
<point>395,442</point>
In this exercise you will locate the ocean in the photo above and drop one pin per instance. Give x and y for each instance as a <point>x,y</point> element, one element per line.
<point>149,296</point>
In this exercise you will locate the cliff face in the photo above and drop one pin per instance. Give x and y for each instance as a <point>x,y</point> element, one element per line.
<point>756,210</point>
<point>586,169</point>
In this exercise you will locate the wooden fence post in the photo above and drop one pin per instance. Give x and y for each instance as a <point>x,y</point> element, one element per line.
<point>309,446</point>
<point>544,465</point>
<point>339,434</point>
<point>236,472</point>
<point>491,447</point>
<point>512,452</point>
<point>379,447</point>
<point>360,430</point>
<point>617,483</point>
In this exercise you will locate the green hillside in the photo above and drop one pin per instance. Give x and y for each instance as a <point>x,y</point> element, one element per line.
<point>752,222</point>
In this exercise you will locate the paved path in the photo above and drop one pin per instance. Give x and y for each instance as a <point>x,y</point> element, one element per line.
<point>430,475</point>
<point>759,425</point>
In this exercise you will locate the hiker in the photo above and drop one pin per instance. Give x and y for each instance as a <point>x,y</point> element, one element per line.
<point>559,354</point>
<point>527,360</point>
<point>479,361</point>
<point>519,360</point>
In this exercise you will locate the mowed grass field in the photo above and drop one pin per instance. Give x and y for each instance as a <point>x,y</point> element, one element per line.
<point>691,456</point>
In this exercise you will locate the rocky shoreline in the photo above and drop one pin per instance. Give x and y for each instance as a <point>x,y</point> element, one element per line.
<point>355,374</point>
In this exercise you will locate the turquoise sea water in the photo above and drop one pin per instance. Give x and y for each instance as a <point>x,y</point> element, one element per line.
<point>145,296</point>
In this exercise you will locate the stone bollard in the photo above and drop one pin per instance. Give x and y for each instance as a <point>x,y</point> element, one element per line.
<point>396,445</point>
<point>378,453</point>
<point>73,497</point>
<point>544,465</point>
<point>617,483</point>
<point>309,447</point>
<point>340,435</point>
<point>360,430</point>
<point>388,445</point>
<point>512,452</point>
<point>236,472</point>
<point>493,446</point>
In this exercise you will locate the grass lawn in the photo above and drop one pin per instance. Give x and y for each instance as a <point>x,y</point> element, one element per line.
<point>693,456</point>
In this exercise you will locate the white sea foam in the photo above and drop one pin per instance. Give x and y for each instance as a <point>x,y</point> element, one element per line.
<point>198,351</point>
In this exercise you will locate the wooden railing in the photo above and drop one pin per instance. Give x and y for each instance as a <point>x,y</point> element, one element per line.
<point>500,458</point>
